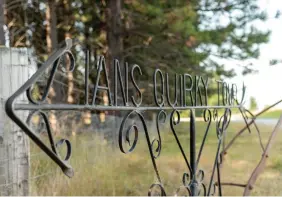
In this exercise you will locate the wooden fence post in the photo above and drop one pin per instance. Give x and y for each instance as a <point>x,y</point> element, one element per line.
<point>15,68</point>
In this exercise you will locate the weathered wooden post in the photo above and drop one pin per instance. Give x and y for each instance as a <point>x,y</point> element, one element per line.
<point>15,69</point>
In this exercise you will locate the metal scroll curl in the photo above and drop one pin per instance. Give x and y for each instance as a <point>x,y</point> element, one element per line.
<point>202,190</point>
<point>175,120</point>
<point>193,182</point>
<point>222,124</point>
<point>53,61</point>
<point>156,189</point>
<point>125,137</point>
<point>207,115</point>
<point>185,188</point>
<point>189,180</point>
<point>59,61</point>
<point>158,140</point>
<point>54,146</point>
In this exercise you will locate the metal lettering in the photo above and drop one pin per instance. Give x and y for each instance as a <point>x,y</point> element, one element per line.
<point>175,91</point>
<point>102,67</point>
<point>122,89</point>
<point>187,89</point>
<point>135,66</point>
<point>161,103</point>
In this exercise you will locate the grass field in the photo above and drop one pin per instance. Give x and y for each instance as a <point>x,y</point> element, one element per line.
<point>102,170</point>
<point>271,114</point>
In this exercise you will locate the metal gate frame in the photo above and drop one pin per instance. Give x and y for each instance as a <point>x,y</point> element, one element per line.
<point>192,179</point>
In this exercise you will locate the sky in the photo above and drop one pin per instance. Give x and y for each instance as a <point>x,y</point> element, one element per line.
<point>264,85</point>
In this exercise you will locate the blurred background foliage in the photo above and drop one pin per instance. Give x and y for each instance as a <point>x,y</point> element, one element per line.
<point>176,36</point>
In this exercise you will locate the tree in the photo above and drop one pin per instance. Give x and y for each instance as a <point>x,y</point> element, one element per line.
<point>192,34</point>
<point>175,36</point>
<point>190,37</point>
<point>51,26</point>
<point>253,103</point>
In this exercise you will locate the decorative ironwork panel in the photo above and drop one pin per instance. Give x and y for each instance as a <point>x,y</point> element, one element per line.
<point>186,87</point>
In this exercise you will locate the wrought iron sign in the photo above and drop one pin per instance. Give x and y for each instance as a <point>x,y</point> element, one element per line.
<point>187,89</point>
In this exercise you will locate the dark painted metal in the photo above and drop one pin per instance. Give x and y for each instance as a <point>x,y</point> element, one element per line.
<point>53,61</point>
<point>193,154</point>
<point>193,178</point>
<point>109,108</point>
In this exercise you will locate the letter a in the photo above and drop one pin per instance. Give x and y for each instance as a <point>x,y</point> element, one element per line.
<point>102,67</point>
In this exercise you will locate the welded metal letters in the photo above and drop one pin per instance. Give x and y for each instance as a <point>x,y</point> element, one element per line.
<point>187,89</point>
<point>187,93</point>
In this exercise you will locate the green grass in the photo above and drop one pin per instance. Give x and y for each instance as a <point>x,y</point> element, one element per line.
<point>102,170</point>
<point>271,114</point>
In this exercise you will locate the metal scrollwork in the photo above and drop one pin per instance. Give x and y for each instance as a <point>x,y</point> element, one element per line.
<point>156,189</point>
<point>193,181</point>
<point>128,133</point>
<point>183,191</point>
<point>213,191</point>
<point>223,123</point>
<point>54,146</point>
<point>131,128</point>
<point>56,64</point>
<point>185,188</point>
<point>174,122</point>
<point>68,144</point>
<point>187,181</point>
<point>202,188</point>
<point>149,143</point>
<point>221,126</point>
<point>159,140</point>
<point>54,60</point>
<point>207,118</point>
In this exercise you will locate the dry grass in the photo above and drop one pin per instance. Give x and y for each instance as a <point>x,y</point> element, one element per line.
<point>102,170</point>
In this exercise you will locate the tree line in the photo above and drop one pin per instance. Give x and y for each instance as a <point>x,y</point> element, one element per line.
<point>172,35</point>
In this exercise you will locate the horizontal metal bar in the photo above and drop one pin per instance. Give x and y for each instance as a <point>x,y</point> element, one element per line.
<point>233,184</point>
<point>111,108</point>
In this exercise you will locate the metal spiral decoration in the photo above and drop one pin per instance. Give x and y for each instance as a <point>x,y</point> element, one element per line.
<point>158,141</point>
<point>222,124</point>
<point>131,128</point>
<point>213,189</point>
<point>133,145</point>
<point>185,188</point>
<point>207,115</point>
<point>56,64</point>
<point>156,189</point>
<point>202,191</point>
<point>54,146</point>
<point>52,62</point>
<point>187,181</point>
<point>192,179</point>
<point>174,122</point>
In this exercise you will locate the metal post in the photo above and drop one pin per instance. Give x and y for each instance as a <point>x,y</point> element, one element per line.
<point>2,23</point>
<point>15,69</point>
<point>193,153</point>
